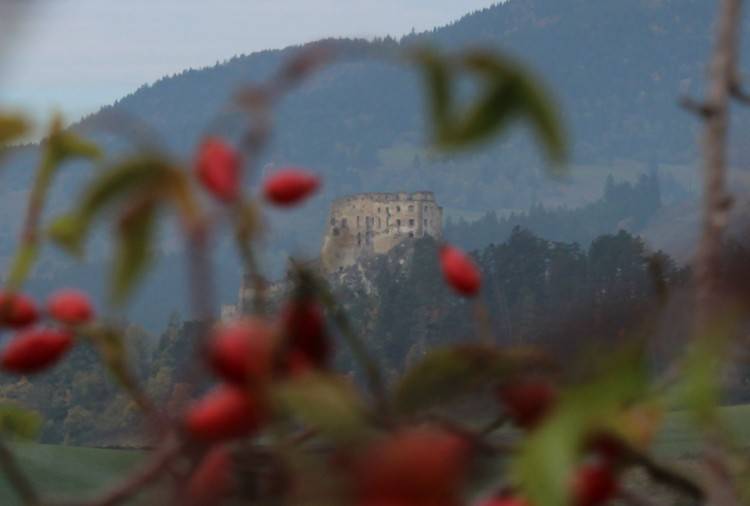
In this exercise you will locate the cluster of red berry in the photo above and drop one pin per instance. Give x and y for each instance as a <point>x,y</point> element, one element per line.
<point>35,348</point>
<point>528,402</point>
<point>219,168</point>
<point>413,466</point>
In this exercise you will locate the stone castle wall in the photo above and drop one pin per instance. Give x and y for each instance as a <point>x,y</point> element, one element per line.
<point>373,223</point>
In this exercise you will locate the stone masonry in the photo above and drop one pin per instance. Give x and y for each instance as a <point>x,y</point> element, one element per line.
<point>373,223</point>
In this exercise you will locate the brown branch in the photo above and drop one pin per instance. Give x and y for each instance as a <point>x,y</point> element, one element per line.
<point>696,107</point>
<point>664,475</point>
<point>716,202</point>
<point>201,286</point>
<point>739,93</point>
<point>636,499</point>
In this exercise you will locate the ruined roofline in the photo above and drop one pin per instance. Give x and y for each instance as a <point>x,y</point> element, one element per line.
<point>423,196</point>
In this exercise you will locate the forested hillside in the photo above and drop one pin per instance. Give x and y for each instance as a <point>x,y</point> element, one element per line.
<point>554,294</point>
<point>359,122</point>
<point>623,206</point>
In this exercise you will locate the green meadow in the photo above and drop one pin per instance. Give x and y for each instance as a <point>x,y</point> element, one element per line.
<point>64,471</point>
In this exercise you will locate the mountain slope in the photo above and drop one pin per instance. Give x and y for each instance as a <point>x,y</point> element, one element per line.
<point>616,67</point>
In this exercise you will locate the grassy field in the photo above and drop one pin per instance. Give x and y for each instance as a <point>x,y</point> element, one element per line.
<point>61,471</point>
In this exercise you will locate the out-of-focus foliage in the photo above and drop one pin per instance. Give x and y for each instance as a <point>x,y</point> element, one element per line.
<point>507,92</point>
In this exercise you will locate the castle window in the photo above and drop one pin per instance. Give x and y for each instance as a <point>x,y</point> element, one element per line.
<point>398,223</point>
<point>411,234</point>
<point>379,222</point>
<point>398,209</point>
<point>425,222</point>
<point>411,223</point>
<point>333,221</point>
<point>335,231</point>
<point>378,209</point>
<point>359,239</point>
<point>357,221</point>
<point>343,222</point>
<point>411,208</point>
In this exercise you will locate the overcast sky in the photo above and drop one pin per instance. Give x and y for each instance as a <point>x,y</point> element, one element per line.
<point>77,55</point>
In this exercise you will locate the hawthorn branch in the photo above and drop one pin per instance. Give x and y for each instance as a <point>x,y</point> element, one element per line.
<point>664,475</point>
<point>716,201</point>
<point>739,93</point>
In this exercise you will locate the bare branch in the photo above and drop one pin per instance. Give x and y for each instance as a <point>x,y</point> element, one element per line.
<point>664,475</point>
<point>739,93</point>
<point>716,203</point>
<point>696,107</point>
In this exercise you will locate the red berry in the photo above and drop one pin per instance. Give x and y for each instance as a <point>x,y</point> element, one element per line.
<point>528,401</point>
<point>291,186</point>
<point>606,446</point>
<point>225,413</point>
<point>213,479</point>
<point>505,500</point>
<point>416,466</point>
<point>17,310</point>
<point>304,328</point>
<point>460,271</point>
<point>34,350</point>
<point>218,169</point>
<point>242,351</point>
<point>594,484</point>
<point>71,307</point>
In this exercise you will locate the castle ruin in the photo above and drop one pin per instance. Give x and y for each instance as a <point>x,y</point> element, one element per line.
<point>373,223</point>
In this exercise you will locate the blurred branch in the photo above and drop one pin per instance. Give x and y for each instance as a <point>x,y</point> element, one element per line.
<point>360,352</point>
<point>201,288</point>
<point>716,200</point>
<point>663,474</point>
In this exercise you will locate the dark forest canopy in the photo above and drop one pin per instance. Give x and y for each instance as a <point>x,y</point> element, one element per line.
<point>623,206</point>
<point>536,291</point>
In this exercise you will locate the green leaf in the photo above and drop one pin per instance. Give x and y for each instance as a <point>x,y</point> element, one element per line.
<point>438,76</point>
<point>247,223</point>
<point>68,232</point>
<point>546,460</point>
<point>134,249</point>
<point>507,92</point>
<point>62,145</point>
<point>487,116</point>
<point>124,181</point>
<point>325,403</point>
<point>111,345</point>
<point>18,422</point>
<point>699,388</point>
<point>12,128</point>
<point>542,114</point>
<point>446,373</point>
<point>24,260</point>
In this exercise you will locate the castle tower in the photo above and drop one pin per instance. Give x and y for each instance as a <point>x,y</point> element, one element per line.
<point>373,223</point>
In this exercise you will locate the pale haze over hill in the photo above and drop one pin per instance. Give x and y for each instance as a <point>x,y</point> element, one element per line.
<point>79,55</point>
